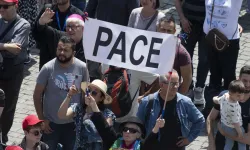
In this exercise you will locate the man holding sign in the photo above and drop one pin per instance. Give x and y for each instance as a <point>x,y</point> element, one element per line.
<point>178,110</point>
<point>144,53</point>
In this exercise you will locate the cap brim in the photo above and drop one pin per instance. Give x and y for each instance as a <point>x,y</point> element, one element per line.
<point>36,122</point>
<point>107,100</point>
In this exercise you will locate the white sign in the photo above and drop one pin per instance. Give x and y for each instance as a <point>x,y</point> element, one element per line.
<point>129,48</point>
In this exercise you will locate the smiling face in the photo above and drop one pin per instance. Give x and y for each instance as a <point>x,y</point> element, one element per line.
<point>7,10</point>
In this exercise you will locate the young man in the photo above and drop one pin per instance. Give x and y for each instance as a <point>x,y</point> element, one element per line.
<point>63,9</point>
<point>192,16</point>
<point>32,127</point>
<point>219,141</point>
<point>53,83</point>
<point>182,62</point>
<point>13,50</point>
<point>177,132</point>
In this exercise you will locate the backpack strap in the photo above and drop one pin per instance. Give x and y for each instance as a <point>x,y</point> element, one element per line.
<point>149,106</point>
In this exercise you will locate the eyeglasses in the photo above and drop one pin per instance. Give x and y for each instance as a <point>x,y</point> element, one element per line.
<point>72,27</point>
<point>130,130</point>
<point>37,132</point>
<point>6,6</point>
<point>92,92</point>
<point>172,84</point>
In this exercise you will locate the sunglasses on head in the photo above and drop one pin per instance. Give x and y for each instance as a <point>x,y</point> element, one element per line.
<point>5,6</point>
<point>130,130</point>
<point>37,132</point>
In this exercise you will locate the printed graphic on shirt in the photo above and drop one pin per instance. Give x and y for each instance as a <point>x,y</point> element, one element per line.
<point>220,14</point>
<point>66,80</point>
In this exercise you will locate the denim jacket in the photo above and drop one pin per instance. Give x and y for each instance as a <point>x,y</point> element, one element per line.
<point>187,112</point>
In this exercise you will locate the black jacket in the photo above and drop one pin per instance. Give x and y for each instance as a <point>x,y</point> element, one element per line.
<point>47,52</point>
<point>108,134</point>
<point>114,11</point>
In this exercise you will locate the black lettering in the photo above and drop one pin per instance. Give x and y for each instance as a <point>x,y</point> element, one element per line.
<point>132,59</point>
<point>122,51</point>
<point>153,51</point>
<point>98,41</point>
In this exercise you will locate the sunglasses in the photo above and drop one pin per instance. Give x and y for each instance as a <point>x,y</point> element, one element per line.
<point>37,132</point>
<point>130,130</point>
<point>6,6</point>
<point>93,93</point>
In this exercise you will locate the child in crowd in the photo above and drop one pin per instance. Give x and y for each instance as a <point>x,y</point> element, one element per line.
<point>32,128</point>
<point>230,110</point>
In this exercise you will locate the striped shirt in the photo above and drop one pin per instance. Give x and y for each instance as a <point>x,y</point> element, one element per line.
<point>194,10</point>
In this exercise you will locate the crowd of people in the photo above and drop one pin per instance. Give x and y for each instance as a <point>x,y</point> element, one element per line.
<point>85,105</point>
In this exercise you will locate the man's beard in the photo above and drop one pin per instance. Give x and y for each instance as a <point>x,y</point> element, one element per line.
<point>62,2</point>
<point>66,59</point>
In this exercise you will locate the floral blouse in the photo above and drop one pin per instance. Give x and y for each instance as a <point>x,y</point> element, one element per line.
<point>87,137</point>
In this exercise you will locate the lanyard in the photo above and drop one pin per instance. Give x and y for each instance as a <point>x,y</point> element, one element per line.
<point>58,21</point>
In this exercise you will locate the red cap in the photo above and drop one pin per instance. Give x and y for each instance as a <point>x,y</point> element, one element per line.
<point>31,120</point>
<point>13,148</point>
<point>11,1</point>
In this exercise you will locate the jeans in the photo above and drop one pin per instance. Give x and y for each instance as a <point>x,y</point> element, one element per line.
<point>229,142</point>
<point>61,133</point>
<point>197,35</point>
<point>80,4</point>
<point>11,88</point>
<point>223,64</point>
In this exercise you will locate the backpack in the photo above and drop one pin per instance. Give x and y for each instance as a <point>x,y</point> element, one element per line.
<point>117,81</point>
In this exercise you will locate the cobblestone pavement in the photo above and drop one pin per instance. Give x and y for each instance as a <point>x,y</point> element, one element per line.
<point>25,104</point>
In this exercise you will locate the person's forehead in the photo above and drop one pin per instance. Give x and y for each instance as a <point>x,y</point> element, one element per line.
<point>64,45</point>
<point>245,76</point>
<point>166,24</point>
<point>75,23</point>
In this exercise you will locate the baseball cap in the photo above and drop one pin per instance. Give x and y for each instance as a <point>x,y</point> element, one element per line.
<point>13,148</point>
<point>30,120</point>
<point>11,1</point>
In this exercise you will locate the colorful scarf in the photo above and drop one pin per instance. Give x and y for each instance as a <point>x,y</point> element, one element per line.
<point>118,145</point>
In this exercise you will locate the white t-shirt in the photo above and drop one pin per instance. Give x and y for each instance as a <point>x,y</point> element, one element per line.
<point>230,112</point>
<point>225,17</point>
<point>136,20</point>
<point>135,82</point>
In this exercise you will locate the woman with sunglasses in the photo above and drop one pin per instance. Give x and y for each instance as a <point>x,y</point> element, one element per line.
<point>87,137</point>
<point>132,130</point>
<point>32,128</point>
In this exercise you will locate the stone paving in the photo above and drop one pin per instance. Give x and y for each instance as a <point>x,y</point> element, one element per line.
<point>25,104</point>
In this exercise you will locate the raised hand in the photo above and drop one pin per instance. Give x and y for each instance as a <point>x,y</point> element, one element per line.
<point>46,17</point>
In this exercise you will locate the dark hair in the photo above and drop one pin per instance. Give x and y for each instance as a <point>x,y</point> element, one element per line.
<point>168,19</point>
<point>157,5</point>
<point>245,70</point>
<point>236,86</point>
<point>67,39</point>
<point>39,125</point>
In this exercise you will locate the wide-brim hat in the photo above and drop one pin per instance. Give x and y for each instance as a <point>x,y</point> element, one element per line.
<point>136,121</point>
<point>101,86</point>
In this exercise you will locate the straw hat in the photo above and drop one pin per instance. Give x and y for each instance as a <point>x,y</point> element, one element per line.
<point>101,86</point>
